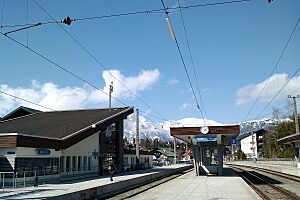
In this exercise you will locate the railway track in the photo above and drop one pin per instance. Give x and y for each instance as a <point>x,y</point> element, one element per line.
<point>137,190</point>
<point>283,175</point>
<point>263,185</point>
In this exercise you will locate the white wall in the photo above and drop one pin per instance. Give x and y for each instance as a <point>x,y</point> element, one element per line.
<point>131,158</point>
<point>31,152</point>
<point>83,148</point>
<point>246,145</point>
<point>3,151</point>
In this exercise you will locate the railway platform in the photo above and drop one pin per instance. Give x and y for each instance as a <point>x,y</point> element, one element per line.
<point>190,186</point>
<point>271,166</point>
<point>92,188</point>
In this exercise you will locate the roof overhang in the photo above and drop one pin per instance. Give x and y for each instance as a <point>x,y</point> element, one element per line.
<point>187,134</point>
<point>289,139</point>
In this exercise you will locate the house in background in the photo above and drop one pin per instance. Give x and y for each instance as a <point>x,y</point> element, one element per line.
<point>252,143</point>
<point>62,142</point>
<point>146,158</point>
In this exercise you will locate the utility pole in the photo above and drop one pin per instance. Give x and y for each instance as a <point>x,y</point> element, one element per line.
<point>187,150</point>
<point>253,150</point>
<point>174,150</point>
<point>111,89</point>
<point>137,139</point>
<point>295,111</point>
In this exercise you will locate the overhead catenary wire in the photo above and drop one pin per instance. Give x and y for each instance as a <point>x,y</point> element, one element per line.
<point>296,72</point>
<point>57,65</point>
<point>182,60</point>
<point>111,16</point>
<point>22,99</point>
<point>136,13</point>
<point>65,70</point>
<point>192,61</point>
<point>97,60</point>
<point>275,67</point>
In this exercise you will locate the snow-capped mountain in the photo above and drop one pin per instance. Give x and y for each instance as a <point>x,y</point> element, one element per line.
<point>162,130</point>
<point>266,123</point>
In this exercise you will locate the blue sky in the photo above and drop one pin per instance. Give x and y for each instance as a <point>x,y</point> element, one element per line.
<point>234,47</point>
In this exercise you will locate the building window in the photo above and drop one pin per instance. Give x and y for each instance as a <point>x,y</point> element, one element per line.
<point>40,166</point>
<point>74,163</point>
<point>84,162</point>
<point>126,160</point>
<point>68,163</point>
<point>79,163</point>
<point>89,162</point>
<point>62,163</point>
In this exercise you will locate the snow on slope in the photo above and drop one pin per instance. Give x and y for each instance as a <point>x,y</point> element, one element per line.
<point>162,130</point>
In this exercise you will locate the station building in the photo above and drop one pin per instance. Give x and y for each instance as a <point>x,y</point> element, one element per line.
<point>208,144</point>
<point>60,142</point>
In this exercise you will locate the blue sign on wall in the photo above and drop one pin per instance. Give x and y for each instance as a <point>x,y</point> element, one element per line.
<point>43,152</point>
<point>233,141</point>
<point>205,139</point>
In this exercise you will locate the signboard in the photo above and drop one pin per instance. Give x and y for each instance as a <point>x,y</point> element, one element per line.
<point>205,139</point>
<point>233,141</point>
<point>43,151</point>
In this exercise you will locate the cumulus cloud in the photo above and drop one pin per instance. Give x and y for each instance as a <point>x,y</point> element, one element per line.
<point>61,98</point>
<point>250,92</point>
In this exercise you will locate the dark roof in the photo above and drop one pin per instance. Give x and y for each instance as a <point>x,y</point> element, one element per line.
<point>60,124</point>
<point>19,112</point>
<point>289,139</point>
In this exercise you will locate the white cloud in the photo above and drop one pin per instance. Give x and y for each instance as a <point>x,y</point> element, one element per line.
<point>172,82</point>
<point>61,98</point>
<point>250,92</point>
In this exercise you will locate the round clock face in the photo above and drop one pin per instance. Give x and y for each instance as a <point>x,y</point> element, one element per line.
<point>204,129</point>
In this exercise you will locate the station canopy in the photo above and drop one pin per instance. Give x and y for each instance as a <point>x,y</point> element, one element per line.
<point>193,135</point>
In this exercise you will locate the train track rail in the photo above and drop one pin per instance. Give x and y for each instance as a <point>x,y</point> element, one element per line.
<point>283,175</point>
<point>264,187</point>
<point>138,190</point>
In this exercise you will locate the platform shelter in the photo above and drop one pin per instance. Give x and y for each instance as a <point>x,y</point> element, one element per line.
<point>208,144</point>
<point>293,140</point>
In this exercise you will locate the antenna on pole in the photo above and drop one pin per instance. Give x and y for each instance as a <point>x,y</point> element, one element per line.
<point>111,89</point>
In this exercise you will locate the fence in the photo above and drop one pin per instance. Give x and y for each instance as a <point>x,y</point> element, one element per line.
<point>21,178</point>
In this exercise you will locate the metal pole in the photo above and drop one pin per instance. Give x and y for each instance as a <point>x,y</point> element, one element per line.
<point>24,179</point>
<point>111,89</point>
<point>174,150</point>
<point>137,139</point>
<point>295,111</point>
<point>186,150</point>
<point>3,181</point>
<point>232,152</point>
